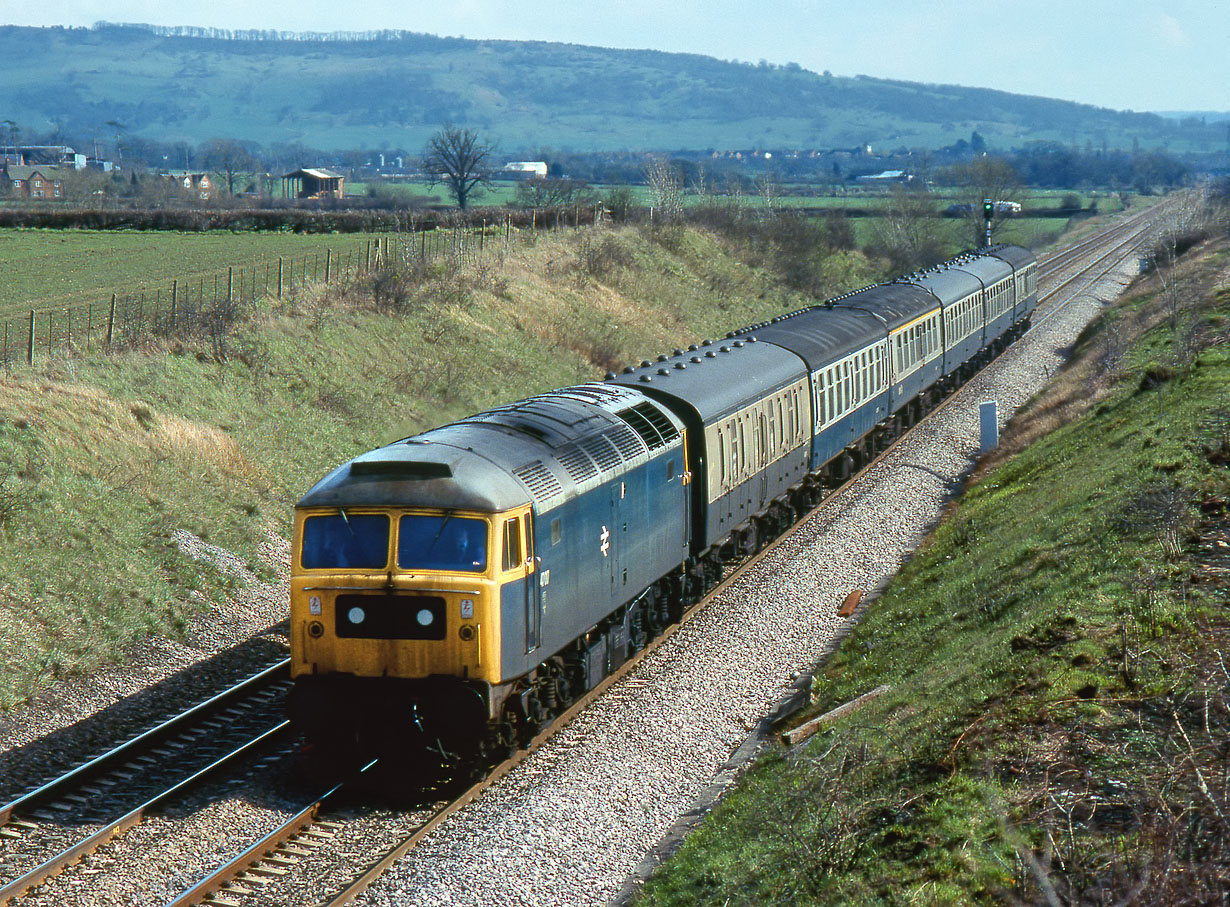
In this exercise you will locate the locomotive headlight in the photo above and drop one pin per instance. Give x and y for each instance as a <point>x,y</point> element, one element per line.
<point>425,617</point>
<point>467,632</point>
<point>356,615</point>
<point>316,629</point>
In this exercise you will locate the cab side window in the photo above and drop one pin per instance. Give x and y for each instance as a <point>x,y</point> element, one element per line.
<point>513,558</point>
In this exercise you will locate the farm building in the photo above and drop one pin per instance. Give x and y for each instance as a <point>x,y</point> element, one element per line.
<point>33,182</point>
<point>522,170</point>
<point>886,176</point>
<point>313,182</point>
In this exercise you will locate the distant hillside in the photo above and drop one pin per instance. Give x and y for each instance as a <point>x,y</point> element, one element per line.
<point>391,90</point>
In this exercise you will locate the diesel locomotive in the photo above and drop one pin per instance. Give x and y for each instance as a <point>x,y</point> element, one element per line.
<point>453,591</point>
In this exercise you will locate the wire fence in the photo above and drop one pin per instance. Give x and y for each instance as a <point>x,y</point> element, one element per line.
<point>203,306</point>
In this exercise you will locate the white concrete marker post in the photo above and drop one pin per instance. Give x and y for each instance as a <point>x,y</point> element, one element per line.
<point>988,416</point>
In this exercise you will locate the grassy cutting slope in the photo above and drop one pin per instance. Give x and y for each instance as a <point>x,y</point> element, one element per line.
<point>1057,722</point>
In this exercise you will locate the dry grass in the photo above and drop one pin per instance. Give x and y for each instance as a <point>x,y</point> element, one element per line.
<point>100,435</point>
<point>1087,380</point>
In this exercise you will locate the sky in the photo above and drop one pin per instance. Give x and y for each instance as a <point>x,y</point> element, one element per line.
<point>1126,55</point>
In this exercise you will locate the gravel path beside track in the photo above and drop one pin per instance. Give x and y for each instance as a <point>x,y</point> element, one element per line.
<point>569,824</point>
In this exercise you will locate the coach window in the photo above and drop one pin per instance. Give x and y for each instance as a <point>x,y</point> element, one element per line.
<point>556,531</point>
<point>721,457</point>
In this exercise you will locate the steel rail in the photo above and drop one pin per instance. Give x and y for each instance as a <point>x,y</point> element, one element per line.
<point>56,864</point>
<point>125,751</point>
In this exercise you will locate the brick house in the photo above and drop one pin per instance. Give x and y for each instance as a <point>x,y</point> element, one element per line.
<point>198,184</point>
<point>33,182</point>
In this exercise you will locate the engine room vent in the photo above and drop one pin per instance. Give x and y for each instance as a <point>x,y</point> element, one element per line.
<point>627,442</point>
<point>603,452</point>
<point>577,462</point>
<point>650,423</point>
<point>541,481</point>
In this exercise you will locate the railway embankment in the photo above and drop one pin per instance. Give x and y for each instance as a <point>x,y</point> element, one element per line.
<point>1055,724</point>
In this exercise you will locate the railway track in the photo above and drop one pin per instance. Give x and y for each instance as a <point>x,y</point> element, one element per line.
<point>1065,257</point>
<point>262,871</point>
<point>271,869</point>
<point>47,830</point>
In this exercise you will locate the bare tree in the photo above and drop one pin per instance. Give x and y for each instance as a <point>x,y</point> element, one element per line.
<point>230,158</point>
<point>908,233</point>
<point>458,159</point>
<point>11,132</point>
<point>984,178</point>
<point>666,189</point>
<point>553,192</point>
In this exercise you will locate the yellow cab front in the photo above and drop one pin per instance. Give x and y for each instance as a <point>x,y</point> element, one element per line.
<point>401,592</point>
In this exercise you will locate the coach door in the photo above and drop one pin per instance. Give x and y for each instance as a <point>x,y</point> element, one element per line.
<point>762,457</point>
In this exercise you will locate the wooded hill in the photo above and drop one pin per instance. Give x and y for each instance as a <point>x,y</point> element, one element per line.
<point>390,90</point>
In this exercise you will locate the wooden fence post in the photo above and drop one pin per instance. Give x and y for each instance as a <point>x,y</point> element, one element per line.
<point>328,262</point>
<point>279,277</point>
<point>174,301</point>
<point>230,287</point>
<point>89,324</point>
<point>50,332</point>
<point>111,322</point>
<point>30,353</point>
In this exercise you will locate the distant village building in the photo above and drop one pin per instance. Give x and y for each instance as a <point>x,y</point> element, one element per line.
<point>33,182</point>
<point>199,184</point>
<point>886,176</point>
<point>314,182</point>
<point>523,170</point>
<point>51,156</point>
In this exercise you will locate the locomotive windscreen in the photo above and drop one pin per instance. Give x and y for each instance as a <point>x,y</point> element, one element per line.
<point>441,543</point>
<point>345,540</point>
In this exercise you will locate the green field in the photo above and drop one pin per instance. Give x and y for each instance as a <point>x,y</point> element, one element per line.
<point>44,268</point>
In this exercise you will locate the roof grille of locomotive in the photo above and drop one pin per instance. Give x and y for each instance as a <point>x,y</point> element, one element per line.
<point>539,480</point>
<point>650,423</point>
<point>577,463</point>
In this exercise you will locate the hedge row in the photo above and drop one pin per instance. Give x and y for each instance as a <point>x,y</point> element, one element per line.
<point>293,219</point>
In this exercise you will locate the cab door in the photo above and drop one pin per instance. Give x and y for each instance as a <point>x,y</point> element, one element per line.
<point>517,575</point>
